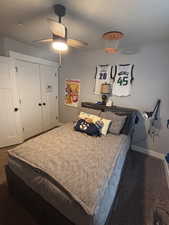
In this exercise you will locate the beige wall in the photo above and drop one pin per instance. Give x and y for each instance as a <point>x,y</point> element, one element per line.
<point>151,83</point>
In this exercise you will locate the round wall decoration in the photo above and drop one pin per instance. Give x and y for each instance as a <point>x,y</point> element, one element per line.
<point>112,41</point>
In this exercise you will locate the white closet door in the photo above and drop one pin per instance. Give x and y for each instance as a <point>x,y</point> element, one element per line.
<point>49,91</point>
<point>10,129</point>
<point>28,84</point>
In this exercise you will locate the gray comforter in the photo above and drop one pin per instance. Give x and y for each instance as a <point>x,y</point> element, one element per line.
<point>77,163</point>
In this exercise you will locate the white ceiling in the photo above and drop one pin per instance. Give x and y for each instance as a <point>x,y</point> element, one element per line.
<point>142,21</point>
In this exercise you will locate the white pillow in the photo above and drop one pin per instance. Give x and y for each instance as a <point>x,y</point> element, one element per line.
<point>94,119</point>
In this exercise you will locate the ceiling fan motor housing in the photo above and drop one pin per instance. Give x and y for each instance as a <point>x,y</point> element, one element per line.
<point>60,11</point>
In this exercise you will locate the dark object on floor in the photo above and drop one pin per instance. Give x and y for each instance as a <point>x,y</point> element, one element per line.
<point>142,190</point>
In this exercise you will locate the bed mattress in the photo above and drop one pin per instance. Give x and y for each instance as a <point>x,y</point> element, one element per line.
<point>66,200</point>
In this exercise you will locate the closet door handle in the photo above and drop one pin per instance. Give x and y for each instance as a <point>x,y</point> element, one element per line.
<point>44,103</point>
<point>16,109</point>
<point>40,104</point>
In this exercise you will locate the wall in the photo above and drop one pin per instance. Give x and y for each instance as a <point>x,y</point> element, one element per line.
<point>151,83</point>
<point>42,51</point>
<point>2,50</point>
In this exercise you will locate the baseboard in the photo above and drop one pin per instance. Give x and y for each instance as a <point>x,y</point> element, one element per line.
<point>156,155</point>
<point>148,152</point>
<point>60,123</point>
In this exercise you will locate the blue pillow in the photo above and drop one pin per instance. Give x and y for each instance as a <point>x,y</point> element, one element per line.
<point>88,128</point>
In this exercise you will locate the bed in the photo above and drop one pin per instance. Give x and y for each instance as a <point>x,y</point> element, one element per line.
<point>66,177</point>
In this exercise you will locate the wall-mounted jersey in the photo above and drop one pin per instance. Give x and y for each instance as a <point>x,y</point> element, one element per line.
<point>122,80</point>
<point>104,74</point>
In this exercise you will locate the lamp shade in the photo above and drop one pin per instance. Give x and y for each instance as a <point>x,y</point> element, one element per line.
<point>105,89</point>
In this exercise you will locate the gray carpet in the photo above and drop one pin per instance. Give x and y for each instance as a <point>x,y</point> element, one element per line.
<point>143,195</point>
<point>142,198</point>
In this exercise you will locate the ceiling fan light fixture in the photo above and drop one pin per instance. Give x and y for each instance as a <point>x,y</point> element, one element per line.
<point>60,45</point>
<point>59,35</point>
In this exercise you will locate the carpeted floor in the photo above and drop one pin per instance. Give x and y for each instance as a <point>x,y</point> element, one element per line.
<point>142,197</point>
<point>143,194</point>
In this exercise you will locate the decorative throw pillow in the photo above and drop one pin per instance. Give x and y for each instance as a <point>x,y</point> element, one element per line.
<point>117,122</point>
<point>87,127</point>
<point>98,121</point>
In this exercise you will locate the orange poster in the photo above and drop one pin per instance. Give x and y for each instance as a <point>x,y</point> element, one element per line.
<point>72,92</point>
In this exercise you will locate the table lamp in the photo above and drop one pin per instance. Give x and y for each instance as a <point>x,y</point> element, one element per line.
<point>105,91</point>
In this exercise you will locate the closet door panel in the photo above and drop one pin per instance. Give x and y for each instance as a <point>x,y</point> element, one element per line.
<point>28,82</point>
<point>49,91</point>
<point>10,132</point>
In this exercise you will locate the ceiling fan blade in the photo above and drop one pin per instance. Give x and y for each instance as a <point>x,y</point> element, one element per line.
<point>76,43</point>
<point>43,40</point>
<point>56,28</point>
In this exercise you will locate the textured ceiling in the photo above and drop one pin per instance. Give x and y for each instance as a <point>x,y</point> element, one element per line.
<point>142,21</point>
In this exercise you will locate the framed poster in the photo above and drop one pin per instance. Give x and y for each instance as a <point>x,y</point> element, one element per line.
<point>72,92</point>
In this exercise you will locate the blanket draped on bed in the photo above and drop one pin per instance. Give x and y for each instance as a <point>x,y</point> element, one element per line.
<point>79,164</point>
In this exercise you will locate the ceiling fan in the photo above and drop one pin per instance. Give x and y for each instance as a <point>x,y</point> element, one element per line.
<point>59,40</point>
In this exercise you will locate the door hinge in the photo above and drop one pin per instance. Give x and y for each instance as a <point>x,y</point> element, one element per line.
<point>56,118</point>
<point>20,101</point>
<point>55,74</point>
<point>23,129</point>
<point>16,68</point>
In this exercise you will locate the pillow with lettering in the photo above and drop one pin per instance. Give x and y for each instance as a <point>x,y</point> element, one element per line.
<point>98,121</point>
